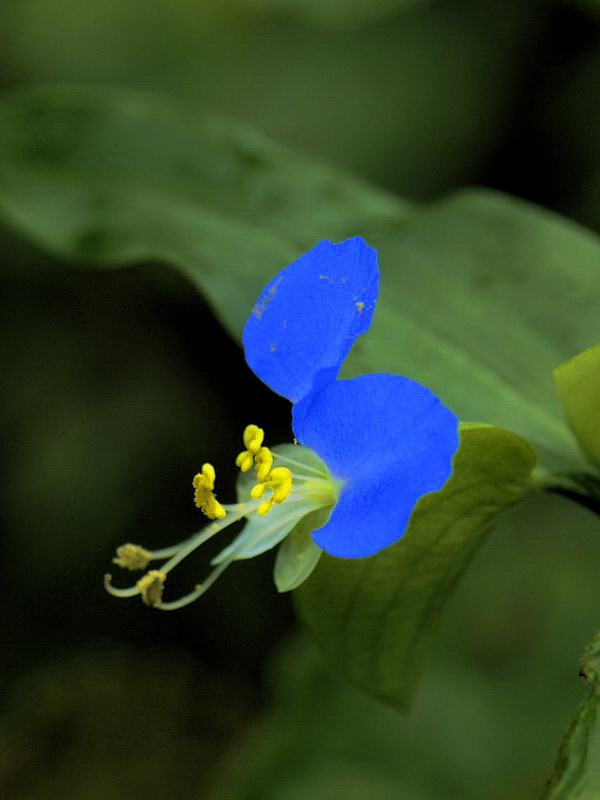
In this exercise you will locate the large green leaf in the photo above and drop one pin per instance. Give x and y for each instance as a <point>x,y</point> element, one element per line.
<point>112,177</point>
<point>373,617</point>
<point>482,295</point>
<point>577,771</point>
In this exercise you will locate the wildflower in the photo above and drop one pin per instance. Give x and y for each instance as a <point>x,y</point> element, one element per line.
<point>367,447</point>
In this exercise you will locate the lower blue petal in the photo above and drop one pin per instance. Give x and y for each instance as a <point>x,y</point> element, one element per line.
<point>389,440</point>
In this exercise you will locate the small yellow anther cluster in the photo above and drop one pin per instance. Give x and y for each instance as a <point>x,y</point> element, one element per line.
<point>204,496</point>
<point>253,439</point>
<point>151,587</point>
<point>132,557</point>
<point>263,461</point>
<point>279,479</point>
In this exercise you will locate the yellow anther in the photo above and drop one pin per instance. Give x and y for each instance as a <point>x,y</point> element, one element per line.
<point>265,507</point>
<point>132,557</point>
<point>263,462</point>
<point>279,480</point>
<point>209,475</point>
<point>244,460</point>
<point>151,587</point>
<point>253,439</point>
<point>204,497</point>
<point>258,491</point>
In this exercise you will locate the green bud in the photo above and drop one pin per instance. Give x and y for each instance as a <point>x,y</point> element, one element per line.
<point>578,386</point>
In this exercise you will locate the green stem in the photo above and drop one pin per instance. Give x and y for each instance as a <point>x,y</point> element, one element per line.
<point>581,487</point>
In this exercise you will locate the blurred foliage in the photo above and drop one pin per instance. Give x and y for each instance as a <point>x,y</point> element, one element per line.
<point>329,13</point>
<point>577,771</point>
<point>416,100</point>
<point>573,101</point>
<point>108,724</point>
<point>117,385</point>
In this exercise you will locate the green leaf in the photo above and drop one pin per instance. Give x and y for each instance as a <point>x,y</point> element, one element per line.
<point>114,177</point>
<point>577,771</point>
<point>578,385</point>
<point>373,617</point>
<point>482,295</point>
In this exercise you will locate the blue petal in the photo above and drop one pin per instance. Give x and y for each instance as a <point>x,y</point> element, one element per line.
<point>389,440</point>
<point>308,316</point>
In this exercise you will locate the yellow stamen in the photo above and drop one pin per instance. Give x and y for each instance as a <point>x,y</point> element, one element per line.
<point>244,460</point>
<point>279,480</point>
<point>265,507</point>
<point>132,557</point>
<point>204,497</point>
<point>258,491</point>
<point>263,463</point>
<point>151,587</point>
<point>253,439</point>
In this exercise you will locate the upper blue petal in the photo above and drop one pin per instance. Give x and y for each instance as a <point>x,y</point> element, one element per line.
<point>308,316</point>
<point>389,440</point>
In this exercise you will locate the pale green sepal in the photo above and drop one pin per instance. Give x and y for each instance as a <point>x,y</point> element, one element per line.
<point>577,770</point>
<point>578,386</point>
<point>298,554</point>
<point>373,617</point>
<point>262,533</point>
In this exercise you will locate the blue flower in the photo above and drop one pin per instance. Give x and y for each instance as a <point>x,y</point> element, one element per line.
<point>367,448</point>
<point>387,439</point>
